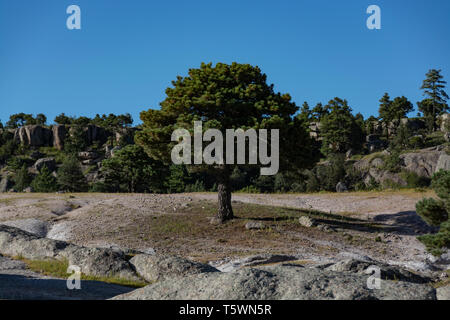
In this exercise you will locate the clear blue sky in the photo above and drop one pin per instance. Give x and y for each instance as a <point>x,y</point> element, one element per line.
<point>128,52</point>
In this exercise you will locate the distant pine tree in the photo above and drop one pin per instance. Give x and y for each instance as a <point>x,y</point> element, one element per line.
<point>44,181</point>
<point>70,176</point>
<point>22,179</point>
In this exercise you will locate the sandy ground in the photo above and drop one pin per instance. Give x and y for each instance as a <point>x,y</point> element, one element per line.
<point>140,221</point>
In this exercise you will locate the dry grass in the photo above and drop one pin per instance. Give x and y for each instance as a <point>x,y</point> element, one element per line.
<point>58,269</point>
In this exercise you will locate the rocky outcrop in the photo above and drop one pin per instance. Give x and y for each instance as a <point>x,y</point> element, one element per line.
<point>387,272</point>
<point>443,162</point>
<point>50,163</point>
<point>5,183</point>
<point>341,187</point>
<point>443,293</point>
<point>33,226</point>
<point>35,136</point>
<point>40,136</point>
<point>156,267</point>
<point>280,283</point>
<point>95,133</point>
<point>59,135</point>
<point>92,261</point>
<point>423,162</point>
<point>373,143</point>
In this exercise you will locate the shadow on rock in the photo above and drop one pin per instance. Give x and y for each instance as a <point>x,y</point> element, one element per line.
<point>16,287</point>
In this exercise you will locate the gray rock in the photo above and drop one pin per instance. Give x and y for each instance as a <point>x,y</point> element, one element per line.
<point>443,293</point>
<point>447,136</point>
<point>377,163</point>
<point>33,226</point>
<point>341,187</point>
<point>254,225</point>
<point>34,135</point>
<point>88,155</point>
<point>5,184</point>
<point>256,260</point>
<point>387,272</point>
<point>306,221</point>
<point>443,162</point>
<point>156,267</point>
<point>59,135</point>
<point>423,163</point>
<point>92,261</point>
<point>9,264</point>
<point>279,283</point>
<point>48,162</point>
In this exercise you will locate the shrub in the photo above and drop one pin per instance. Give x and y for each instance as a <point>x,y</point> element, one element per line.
<point>436,242</point>
<point>414,180</point>
<point>70,176</point>
<point>22,179</point>
<point>44,181</point>
<point>432,211</point>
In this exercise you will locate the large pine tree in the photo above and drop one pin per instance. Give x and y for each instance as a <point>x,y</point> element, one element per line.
<point>224,96</point>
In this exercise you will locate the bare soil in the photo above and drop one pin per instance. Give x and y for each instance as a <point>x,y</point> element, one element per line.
<point>379,225</point>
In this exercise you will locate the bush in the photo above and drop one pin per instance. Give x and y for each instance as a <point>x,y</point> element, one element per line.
<point>70,176</point>
<point>392,162</point>
<point>432,211</point>
<point>435,243</point>
<point>414,180</point>
<point>22,180</point>
<point>44,181</point>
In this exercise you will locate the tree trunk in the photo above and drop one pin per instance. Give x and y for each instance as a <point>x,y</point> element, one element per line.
<point>225,211</point>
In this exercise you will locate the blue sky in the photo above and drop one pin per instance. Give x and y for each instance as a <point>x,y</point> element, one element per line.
<point>127,52</point>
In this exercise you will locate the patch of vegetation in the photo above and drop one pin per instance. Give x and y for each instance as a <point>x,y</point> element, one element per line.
<point>436,213</point>
<point>58,269</point>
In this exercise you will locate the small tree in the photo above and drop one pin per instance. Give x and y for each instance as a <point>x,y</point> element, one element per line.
<point>436,213</point>
<point>433,87</point>
<point>339,129</point>
<point>70,176</point>
<point>22,179</point>
<point>132,170</point>
<point>44,181</point>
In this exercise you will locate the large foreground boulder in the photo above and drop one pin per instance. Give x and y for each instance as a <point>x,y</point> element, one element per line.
<point>279,283</point>
<point>92,261</point>
<point>156,267</point>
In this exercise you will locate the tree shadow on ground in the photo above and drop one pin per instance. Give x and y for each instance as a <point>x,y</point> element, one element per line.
<point>405,223</point>
<point>17,287</point>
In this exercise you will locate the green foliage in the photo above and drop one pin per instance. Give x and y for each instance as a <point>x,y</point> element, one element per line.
<point>70,176</point>
<point>339,129</point>
<point>198,186</point>
<point>441,185</point>
<point>435,243</point>
<point>22,179</point>
<point>413,180</point>
<point>76,140</point>
<point>22,119</point>
<point>432,211</point>
<point>392,162</point>
<point>44,181</point>
<point>435,103</point>
<point>63,119</point>
<point>436,212</point>
<point>131,170</point>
